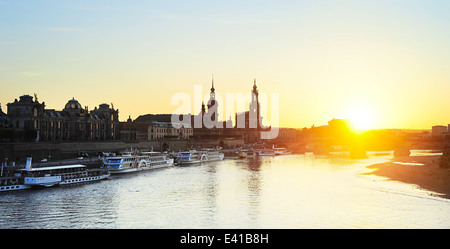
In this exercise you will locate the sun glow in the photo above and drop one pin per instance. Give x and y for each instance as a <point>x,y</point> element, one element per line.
<point>361,118</point>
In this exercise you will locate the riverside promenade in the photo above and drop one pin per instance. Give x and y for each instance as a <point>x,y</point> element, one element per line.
<point>17,152</point>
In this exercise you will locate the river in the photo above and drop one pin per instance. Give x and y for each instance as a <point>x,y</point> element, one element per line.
<point>293,191</point>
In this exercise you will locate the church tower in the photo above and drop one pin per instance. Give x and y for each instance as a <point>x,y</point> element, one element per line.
<point>255,108</point>
<point>212,103</point>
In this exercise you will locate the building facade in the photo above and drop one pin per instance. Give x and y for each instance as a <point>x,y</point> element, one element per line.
<point>166,130</point>
<point>147,129</point>
<point>5,121</point>
<point>438,130</point>
<point>72,123</point>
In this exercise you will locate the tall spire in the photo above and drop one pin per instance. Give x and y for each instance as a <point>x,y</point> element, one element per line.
<point>254,86</point>
<point>212,85</point>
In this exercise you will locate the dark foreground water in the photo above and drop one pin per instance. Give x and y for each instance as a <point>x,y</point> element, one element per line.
<point>295,191</point>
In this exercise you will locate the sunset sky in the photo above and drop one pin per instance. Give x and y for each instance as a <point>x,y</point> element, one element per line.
<point>381,63</point>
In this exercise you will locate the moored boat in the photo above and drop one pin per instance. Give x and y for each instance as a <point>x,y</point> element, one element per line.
<point>211,155</point>
<point>50,176</point>
<point>194,156</point>
<point>139,162</point>
<point>188,157</point>
<point>230,154</point>
<point>281,151</point>
<point>266,152</point>
<point>243,153</point>
<point>61,175</point>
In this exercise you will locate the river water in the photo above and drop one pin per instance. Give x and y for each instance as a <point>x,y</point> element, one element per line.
<point>293,191</point>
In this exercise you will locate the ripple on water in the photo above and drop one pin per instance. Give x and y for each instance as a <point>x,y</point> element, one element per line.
<point>293,191</point>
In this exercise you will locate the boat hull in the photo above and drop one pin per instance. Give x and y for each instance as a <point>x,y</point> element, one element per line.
<point>85,179</point>
<point>138,169</point>
<point>14,187</point>
<point>44,181</point>
<point>213,160</point>
<point>142,162</point>
<point>220,158</point>
<point>282,153</point>
<point>185,162</point>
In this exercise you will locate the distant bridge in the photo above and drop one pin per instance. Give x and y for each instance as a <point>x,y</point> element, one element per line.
<point>326,145</point>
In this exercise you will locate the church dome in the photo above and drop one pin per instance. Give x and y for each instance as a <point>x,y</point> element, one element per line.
<point>73,104</point>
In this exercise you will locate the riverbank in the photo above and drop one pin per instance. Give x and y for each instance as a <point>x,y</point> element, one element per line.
<point>422,171</point>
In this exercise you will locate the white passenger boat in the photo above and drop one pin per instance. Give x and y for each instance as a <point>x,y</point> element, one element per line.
<point>188,157</point>
<point>281,151</point>
<point>211,155</point>
<point>266,152</point>
<point>61,175</point>
<point>193,156</point>
<point>132,163</point>
<point>50,176</point>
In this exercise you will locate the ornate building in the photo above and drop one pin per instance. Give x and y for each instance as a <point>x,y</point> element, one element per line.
<point>153,127</point>
<point>249,124</point>
<point>211,126</point>
<point>6,129</point>
<point>5,121</point>
<point>72,123</point>
<point>166,130</point>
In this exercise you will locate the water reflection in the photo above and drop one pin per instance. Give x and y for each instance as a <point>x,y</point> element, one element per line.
<point>255,184</point>
<point>295,191</point>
